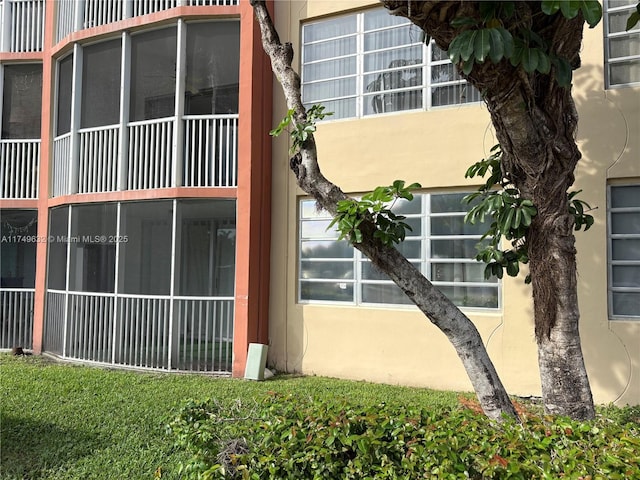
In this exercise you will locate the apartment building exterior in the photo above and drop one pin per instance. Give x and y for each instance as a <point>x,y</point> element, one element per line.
<point>149,221</point>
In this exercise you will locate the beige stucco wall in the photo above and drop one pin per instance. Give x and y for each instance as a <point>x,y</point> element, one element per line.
<point>434,148</point>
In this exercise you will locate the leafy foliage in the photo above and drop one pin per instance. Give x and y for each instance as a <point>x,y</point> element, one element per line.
<point>293,437</point>
<point>512,215</point>
<point>377,207</point>
<point>302,129</point>
<point>487,38</point>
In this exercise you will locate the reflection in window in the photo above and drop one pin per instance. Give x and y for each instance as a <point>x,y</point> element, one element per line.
<point>440,244</point>
<point>18,232</point>
<point>213,56</point>
<point>21,101</point>
<point>92,245</point>
<point>622,48</point>
<point>381,67</point>
<point>624,251</point>
<point>153,76</point>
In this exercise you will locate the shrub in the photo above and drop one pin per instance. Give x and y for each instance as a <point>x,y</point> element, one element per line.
<point>293,437</point>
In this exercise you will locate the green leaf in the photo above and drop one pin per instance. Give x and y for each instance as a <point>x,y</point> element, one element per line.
<point>544,63</point>
<point>467,66</point>
<point>570,8</point>
<point>507,41</point>
<point>468,44</point>
<point>592,12</point>
<point>482,45</point>
<point>550,7</point>
<point>496,45</point>
<point>633,19</point>
<point>563,71</point>
<point>530,59</point>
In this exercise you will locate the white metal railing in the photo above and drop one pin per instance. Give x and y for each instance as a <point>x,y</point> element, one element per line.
<point>54,324</point>
<point>61,165</point>
<point>21,25</point>
<point>203,334</point>
<point>211,151</point>
<point>156,332</point>
<point>80,14</point>
<point>150,162</point>
<point>16,317</point>
<point>19,168</point>
<point>98,166</point>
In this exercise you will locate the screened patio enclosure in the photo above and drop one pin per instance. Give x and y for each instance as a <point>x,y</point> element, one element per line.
<point>145,284</point>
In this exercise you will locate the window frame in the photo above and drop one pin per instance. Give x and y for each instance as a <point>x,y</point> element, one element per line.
<point>610,262</point>
<point>608,61</point>
<point>358,260</point>
<point>361,95</point>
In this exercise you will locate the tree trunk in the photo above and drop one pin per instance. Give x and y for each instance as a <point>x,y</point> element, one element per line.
<point>438,308</point>
<point>535,122</point>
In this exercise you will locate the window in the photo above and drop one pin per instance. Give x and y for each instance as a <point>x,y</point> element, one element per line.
<point>624,251</point>
<point>18,232</point>
<point>65,93</point>
<point>21,101</point>
<point>100,103</point>
<point>622,49</point>
<point>372,62</point>
<point>153,77</point>
<point>440,244</point>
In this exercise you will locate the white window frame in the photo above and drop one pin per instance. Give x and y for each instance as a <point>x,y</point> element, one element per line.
<point>610,262</point>
<point>608,35</point>
<point>361,95</point>
<point>424,263</point>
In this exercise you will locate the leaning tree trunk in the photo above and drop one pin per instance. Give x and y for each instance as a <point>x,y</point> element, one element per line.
<point>460,331</point>
<point>535,122</point>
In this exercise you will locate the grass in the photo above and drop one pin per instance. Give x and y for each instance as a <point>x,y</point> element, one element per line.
<point>60,421</point>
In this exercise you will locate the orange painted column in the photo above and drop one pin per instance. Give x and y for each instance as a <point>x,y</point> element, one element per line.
<point>253,223</point>
<point>46,138</point>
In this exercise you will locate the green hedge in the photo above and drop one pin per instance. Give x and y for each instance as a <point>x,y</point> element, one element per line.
<point>293,437</point>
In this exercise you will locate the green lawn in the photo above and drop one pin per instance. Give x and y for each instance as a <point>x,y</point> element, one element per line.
<point>62,421</point>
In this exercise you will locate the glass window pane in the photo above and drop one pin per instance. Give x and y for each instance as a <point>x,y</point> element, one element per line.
<point>410,248</point>
<point>625,222</point>
<point>22,101</point>
<point>309,209</point>
<point>65,77</point>
<point>398,57</point>
<point>626,276</point>
<point>315,92</point>
<point>326,291</point>
<point>482,297</point>
<point>326,270</point>
<point>624,72</point>
<point>448,202</point>
<point>18,235</point>
<point>444,73</point>
<point>406,207</point>
<point>626,303</point>
<point>618,20</point>
<point>343,108</point>
<point>455,225</point>
<point>101,84</point>
<point>92,254</point>
<point>57,254</point>
<point>153,76</point>
<point>392,102</point>
<point>387,38</point>
<point>454,248</point>
<point>326,249</point>
<point>379,18</point>
<point>207,239</point>
<point>625,249</point>
<point>625,196</point>
<point>459,272</point>
<point>329,28</point>
<point>330,69</point>
<point>624,46</point>
<point>386,293</point>
<point>213,67</point>
<point>454,95</point>
<point>145,259</point>
<point>317,229</point>
<point>339,47</point>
